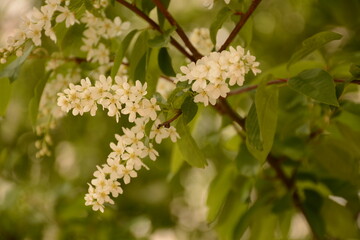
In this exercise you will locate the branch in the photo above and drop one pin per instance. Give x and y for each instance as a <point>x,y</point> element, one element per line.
<point>167,123</point>
<point>243,19</point>
<point>291,187</point>
<point>179,30</point>
<point>223,107</point>
<point>138,12</point>
<point>253,87</point>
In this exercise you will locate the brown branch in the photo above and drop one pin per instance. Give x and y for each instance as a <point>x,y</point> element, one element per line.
<point>223,107</point>
<point>167,123</point>
<point>243,19</point>
<point>153,24</point>
<point>179,30</point>
<point>289,183</point>
<point>253,87</point>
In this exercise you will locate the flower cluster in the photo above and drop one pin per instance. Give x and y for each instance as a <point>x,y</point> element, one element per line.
<point>98,28</point>
<point>200,38</point>
<point>33,25</point>
<point>119,98</point>
<point>133,145</point>
<point>124,161</point>
<point>212,75</point>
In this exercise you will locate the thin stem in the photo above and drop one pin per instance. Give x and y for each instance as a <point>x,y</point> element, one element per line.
<point>243,19</point>
<point>253,87</point>
<point>153,24</point>
<point>167,123</point>
<point>179,29</point>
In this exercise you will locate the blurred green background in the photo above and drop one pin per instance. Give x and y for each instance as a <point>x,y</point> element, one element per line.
<point>44,198</point>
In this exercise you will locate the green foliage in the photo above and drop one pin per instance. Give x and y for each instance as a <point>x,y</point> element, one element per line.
<point>219,189</point>
<point>221,17</point>
<point>317,84</point>
<point>262,121</point>
<point>188,147</point>
<point>121,52</point>
<point>12,70</point>
<point>165,62</point>
<point>5,94</point>
<point>313,43</point>
<point>297,157</point>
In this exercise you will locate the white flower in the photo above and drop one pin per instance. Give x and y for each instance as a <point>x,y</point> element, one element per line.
<point>158,133</point>
<point>152,153</point>
<point>208,3</point>
<point>132,136</point>
<point>200,38</point>
<point>34,32</point>
<point>149,108</point>
<point>118,150</point>
<point>131,108</point>
<point>115,189</point>
<point>97,206</point>
<point>132,156</point>
<point>67,16</point>
<point>127,173</point>
<point>112,168</point>
<point>173,134</point>
<point>212,75</point>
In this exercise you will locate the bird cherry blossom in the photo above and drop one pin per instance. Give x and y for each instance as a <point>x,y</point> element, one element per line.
<point>211,76</point>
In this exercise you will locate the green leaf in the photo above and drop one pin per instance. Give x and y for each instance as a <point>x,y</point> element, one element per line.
<point>72,41</point>
<point>165,63</point>
<point>261,122</point>
<point>312,206</point>
<point>189,109</point>
<point>246,163</point>
<point>12,70</point>
<point>153,73</point>
<point>230,215</point>
<point>137,53</point>
<point>161,40</point>
<point>161,18</point>
<point>121,53</point>
<point>140,70</point>
<point>78,7</point>
<point>317,84</point>
<point>355,70</point>
<point>35,101</point>
<point>246,218</point>
<point>220,18</point>
<point>253,135</point>
<point>147,6</point>
<point>176,161</point>
<point>313,43</point>
<point>340,223</point>
<point>188,147</point>
<point>218,191</point>
<point>263,224</point>
<point>5,94</point>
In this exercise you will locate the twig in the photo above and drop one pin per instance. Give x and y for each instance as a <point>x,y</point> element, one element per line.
<point>179,30</point>
<point>223,107</point>
<point>243,19</point>
<point>167,123</point>
<point>138,12</point>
